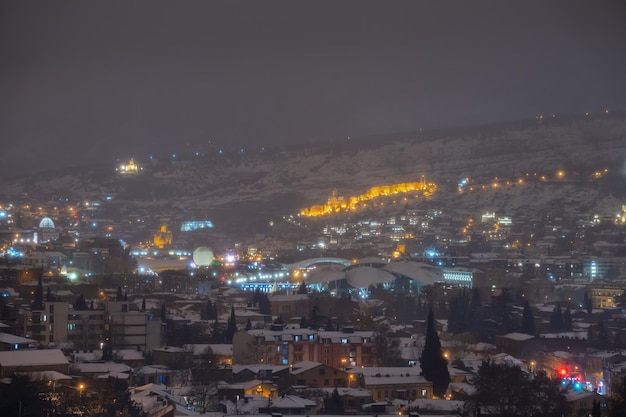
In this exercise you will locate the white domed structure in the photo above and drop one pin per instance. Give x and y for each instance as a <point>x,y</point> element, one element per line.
<point>46,223</point>
<point>202,256</point>
<point>47,230</point>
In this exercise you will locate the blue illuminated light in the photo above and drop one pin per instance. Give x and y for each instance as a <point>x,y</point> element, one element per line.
<point>190,226</point>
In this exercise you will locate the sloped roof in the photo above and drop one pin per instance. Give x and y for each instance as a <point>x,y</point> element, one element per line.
<point>47,376</point>
<point>12,339</point>
<point>33,357</point>
<point>393,380</point>
<point>304,366</point>
<point>292,402</point>
<point>102,368</point>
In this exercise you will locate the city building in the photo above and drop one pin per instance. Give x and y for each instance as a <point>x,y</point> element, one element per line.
<point>287,346</point>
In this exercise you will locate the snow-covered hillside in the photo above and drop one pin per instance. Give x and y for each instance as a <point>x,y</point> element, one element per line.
<point>287,179</point>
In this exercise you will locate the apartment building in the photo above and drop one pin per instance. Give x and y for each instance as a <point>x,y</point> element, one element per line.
<point>286,346</point>
<point>57,324</point>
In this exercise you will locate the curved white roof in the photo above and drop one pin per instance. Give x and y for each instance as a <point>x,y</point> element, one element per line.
<point>326,274</point>
<point>417,271</point>
<point>366,276</point>
<point>322,260</point>
<point>370,260</point>
<point>362,276</point>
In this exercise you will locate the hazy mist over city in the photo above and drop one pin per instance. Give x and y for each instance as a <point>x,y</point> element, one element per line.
<point>281,208</point>
<point>92,82</point>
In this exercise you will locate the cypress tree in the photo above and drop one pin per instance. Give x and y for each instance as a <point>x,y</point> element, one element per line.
<point>556,320</point>
<point>528,321</point>
<point>38,300</point>
<point>334,404</point>
<point>163,313</point>
<point>231,327</point>
<point>587,302</point>
<point>567,320</point>
<point>434,364</point>
<point>596,410</point>
<point>209,312</point>
<point>80,303</point>
<point>216,334</point>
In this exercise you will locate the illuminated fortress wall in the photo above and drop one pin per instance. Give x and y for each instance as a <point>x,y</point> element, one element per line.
<point>336,204</point>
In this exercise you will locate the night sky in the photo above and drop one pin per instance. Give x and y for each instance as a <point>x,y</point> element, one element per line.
<point>84,82</point>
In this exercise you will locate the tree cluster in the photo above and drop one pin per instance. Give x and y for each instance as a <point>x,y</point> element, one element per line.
<point>617,399</point>
<point>209,311</point>
<point>599,337</point>
<point>100,398</point>
<point>262,301</point>
<point>508,391</point>
<point>387,348</point>
<point>333,404</point>
<point>559,321</point>
<point>464,312</point>
<point>185,334</point>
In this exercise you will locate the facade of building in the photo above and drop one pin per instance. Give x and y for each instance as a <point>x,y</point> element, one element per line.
<point>338,349</point>
<point>404,387</point>
<point>58,324</point>
<point>47,326</point>
<point>86,329</point>
<point>126,329</point>
<point>519,345</point>
<point>604,267</point>
<point>605,296</point>
<point>288,306</point>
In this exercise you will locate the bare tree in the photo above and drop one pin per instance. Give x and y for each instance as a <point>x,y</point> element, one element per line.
<point>203,398</point>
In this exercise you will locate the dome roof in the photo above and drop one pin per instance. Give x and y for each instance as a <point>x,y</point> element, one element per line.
<point>202,256</point>
<point>46,223</point>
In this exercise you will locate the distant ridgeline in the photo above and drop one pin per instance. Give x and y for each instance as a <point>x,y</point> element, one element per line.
<point>337,204</point>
